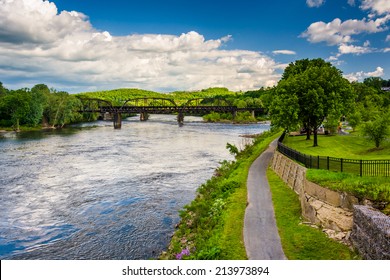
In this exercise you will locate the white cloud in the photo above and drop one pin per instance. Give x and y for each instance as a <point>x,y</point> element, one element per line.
<point>286,52</point>
<point>379,72</point>
<point>338,32</point>
<point>315,3</point>
<point>388,38</point>
<point>41,45</point>
<point>379,7</point>
<point>333,58</point>
<point>358,76</point>
<point>351,2</point>
<point>351,49</point>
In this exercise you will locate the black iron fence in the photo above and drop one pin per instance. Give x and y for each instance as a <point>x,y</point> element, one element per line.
<point>354,166</point>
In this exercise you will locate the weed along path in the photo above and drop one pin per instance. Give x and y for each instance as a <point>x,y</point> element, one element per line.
<point>261,237</point>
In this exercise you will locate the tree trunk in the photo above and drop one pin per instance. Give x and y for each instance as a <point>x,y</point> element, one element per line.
<point>315,144</point>
<point>308,133</point>
<point>17,127</point>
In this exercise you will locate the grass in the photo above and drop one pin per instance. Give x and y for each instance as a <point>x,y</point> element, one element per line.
<point>341,146</point>
<point>373,188</point>
<point>211,225</point>
<point>300,241</point>
<point>376,189</point>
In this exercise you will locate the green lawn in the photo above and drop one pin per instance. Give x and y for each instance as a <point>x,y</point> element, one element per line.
<point>341,146</point>
<point>348,147</point>
<point>300,241</point>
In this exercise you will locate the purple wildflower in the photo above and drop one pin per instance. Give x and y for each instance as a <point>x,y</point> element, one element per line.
<point>184,252</point>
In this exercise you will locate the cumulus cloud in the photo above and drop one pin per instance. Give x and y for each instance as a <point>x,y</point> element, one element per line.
<point>286,52</point>
<point>358,76</point>
<point>351,49</point>
<point>379,7</point>
<point>40,44</point>
<point>315,3</point>
<point>339,32</point>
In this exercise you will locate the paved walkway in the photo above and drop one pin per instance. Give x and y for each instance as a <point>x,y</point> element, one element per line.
<point>261,237</point>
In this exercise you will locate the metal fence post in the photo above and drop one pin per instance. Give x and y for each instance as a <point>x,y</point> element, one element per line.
<point>361,168</point>
<point>327,163</point>
<point>341,161</point>
<point>318,162</point>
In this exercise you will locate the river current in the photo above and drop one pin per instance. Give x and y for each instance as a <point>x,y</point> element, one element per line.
<point>92,192</point>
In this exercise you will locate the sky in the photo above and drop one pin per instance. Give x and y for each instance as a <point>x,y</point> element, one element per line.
<point>168,45</point>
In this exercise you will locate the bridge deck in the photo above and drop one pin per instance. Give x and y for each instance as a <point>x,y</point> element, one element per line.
<point>168,109</point>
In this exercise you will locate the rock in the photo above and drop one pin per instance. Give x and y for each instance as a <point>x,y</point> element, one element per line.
<point>371,233</point>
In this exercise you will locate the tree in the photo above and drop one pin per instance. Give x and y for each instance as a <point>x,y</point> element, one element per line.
<point>309,91</point>
<point>60,109</point>
<point>375,82</point>
<point>354,119</point>
<point>377,130</point>
<point>3,90</point>
<point>16,105</point>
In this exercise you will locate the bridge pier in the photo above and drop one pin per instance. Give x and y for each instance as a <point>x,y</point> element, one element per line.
<point>143,116</point>
<point>253,114</point>
<point>180,118</point>
<point>117,120</point>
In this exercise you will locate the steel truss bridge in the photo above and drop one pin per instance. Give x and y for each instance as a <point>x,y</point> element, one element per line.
<point>146,106</point>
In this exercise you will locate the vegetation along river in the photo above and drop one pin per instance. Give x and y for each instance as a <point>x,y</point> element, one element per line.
<point>92,192</point>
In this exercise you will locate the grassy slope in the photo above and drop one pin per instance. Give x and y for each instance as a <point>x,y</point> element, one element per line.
<point>301,241</point>
<point>347,146</point>
<point>342,146</point>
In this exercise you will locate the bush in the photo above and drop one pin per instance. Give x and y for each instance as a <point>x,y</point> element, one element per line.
<point>377,130</point>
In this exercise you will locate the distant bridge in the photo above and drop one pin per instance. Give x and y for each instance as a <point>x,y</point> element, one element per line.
<point>146,106</point>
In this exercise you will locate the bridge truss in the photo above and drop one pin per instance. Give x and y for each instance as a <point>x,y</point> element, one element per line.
<point>147,106</point>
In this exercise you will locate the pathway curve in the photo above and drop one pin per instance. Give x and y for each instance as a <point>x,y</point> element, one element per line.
<point>261,237</point>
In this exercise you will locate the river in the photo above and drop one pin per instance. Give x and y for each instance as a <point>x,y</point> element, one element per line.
<point>92,192</point>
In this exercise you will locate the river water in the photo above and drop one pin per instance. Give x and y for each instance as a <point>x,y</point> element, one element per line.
<point>92,192</point>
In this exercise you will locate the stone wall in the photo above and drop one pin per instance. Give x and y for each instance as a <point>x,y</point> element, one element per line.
<point>371,233</point>
<point>326,208</point>
<point>337,212</point>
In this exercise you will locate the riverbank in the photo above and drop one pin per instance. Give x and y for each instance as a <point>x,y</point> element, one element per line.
<point>26,129</point>
<point>132,181</point>
<point>211,225</point>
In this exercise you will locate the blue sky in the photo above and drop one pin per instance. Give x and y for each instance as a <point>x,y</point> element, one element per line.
<point>83,45</point>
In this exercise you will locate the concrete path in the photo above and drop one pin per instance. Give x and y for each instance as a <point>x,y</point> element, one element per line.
<point>261,237</point>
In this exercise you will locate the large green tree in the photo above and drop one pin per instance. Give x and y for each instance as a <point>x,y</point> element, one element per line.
<point>309,92</point>
<point>16,106</point>
<point>61,108</point>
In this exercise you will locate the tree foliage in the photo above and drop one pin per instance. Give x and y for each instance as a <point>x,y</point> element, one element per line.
<point>309,92</point>
<point>40,104</point>
<point>61,109</point>
<point>378,130</point>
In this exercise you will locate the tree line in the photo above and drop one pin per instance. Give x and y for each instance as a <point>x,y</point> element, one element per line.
<point>38,106</point>
<point>311,94</point>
